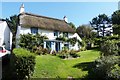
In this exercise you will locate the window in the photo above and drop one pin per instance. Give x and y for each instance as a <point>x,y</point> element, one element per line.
<point>1,48</point>
<point>55,33</point>
<point>34,30</point>
<point>65,34</point>
<point>48,44</point>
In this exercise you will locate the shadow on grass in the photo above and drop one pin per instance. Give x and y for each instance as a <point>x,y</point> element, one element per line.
<point>86,66</point>
<point>95,48</point>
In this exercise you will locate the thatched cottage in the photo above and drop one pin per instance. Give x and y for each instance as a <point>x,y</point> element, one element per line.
<point>51,27</point>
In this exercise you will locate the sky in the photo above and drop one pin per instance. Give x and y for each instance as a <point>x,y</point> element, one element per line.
<point>78,13</point>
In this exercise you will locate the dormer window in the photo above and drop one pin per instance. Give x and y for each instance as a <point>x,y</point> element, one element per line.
<point>34,30</point>
<point>55,33</point>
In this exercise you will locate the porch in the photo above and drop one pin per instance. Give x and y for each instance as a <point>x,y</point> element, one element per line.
<point>55,45</point>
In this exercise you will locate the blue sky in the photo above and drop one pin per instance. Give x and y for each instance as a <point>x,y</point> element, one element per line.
<point>77,12</point>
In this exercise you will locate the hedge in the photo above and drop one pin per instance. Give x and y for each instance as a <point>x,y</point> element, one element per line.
<point>23,63</point>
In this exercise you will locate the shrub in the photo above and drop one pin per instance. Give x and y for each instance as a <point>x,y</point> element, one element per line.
<point>115,74</point>
<point>83,44</point>
<point>109,48</point>
<point>73,54</point>
<point>65,53</point>
<point>104,66</point>
<point>107,62</point>
<point>45,51</point>
<point>37,50</point>
<point>29,40</point>
<point>54,53</point>
<point>22,64</point>
<point>72,41</point>
<point>40,51</point>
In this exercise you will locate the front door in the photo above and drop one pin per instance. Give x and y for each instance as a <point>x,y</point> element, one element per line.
<point>57,46</point>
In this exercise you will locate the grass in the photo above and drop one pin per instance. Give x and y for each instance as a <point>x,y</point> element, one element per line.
<point>48,66</point>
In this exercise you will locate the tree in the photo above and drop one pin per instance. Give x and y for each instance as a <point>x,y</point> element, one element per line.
<point>84,31</point>
<point>116,22</point>
<point>116,29</point>
<point>13,23</point>
<point>116,17</point>
<point>100,23</point>
<point>72,25</point>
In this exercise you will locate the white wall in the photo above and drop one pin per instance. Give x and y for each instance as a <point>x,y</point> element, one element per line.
<point>5,35</point>
<point>75,47</point>
<point>70,35</point>
<point>25,30</point>
<point>48,33</point>
<point>1,32</point>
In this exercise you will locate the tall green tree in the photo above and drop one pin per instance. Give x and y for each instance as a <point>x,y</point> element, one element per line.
<point>116,17</point>
<point>116,22</point>
<point>100,23</point>
<point>84,31</point>
<point>13,22</point>
<point>116,29</point>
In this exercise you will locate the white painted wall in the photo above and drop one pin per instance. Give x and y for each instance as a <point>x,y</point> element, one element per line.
<point>75,47</point>
<point>5,35</point>
<point>48,33</point>
<point>25,30</point>
<point>70,35</point>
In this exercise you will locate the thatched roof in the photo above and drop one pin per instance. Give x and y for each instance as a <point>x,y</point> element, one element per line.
<point>43,22</point>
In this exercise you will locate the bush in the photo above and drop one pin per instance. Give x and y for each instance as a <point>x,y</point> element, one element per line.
<point>45,51</point>
<point>65,53</point>
<point>115,74</point>
<point>109,48</point>
<point>104,66</point>
<point>83,46</point>
<point>27,41</point>
<point>37,50</point>
<point>40,51</point>
<point>54,53</point>
<point>22,64</point>
<point>74,54</point>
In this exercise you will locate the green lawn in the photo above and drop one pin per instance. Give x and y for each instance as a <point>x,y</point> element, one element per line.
<point>48,66</point>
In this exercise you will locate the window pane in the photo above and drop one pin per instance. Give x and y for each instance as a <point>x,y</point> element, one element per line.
<point>55,33</point>
<point>48,44</point>
<point>34,30</point>
<point>1,48</point>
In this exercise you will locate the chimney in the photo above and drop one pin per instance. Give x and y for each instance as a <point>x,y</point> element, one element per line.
<point>65,19</point>
<point>22,10</point>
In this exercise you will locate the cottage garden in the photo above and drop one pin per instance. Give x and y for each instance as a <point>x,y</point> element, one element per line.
<point>98,62</point>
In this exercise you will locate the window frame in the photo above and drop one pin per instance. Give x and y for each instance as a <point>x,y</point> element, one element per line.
<point>56,33</point>
<point>34,30</point>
